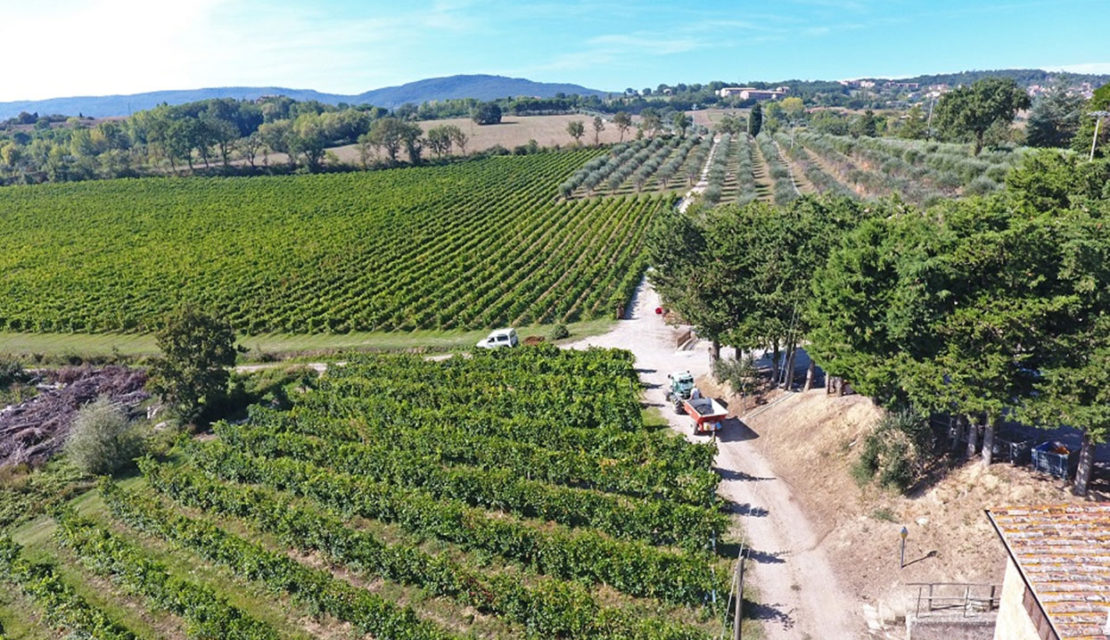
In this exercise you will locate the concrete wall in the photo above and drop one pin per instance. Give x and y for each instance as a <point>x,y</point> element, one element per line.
<point>1013,621</point>
<point>939,628</point>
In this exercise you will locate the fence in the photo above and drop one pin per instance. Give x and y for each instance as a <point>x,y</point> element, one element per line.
<point>966,599</point>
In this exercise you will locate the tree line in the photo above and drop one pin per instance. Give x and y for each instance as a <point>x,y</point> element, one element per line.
<point>981,114</point>
<point>224,135</point>
<point>985,309</point>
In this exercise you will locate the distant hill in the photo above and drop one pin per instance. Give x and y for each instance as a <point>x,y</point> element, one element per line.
<point>482,87</point>
<point>1024,77</point>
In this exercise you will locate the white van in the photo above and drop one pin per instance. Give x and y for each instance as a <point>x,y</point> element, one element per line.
<point>500,338</point>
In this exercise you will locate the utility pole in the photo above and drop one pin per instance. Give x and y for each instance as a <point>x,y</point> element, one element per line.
<point>929,120</point>
<point>902,562</point>
<point>1098,116</point>
<point>738,614</point>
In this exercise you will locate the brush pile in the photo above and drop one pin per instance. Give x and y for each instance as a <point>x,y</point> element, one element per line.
<point>34,430</point>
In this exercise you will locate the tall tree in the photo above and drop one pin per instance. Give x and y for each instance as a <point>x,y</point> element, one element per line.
<point>686,279</point>
<point>915,126</point>
<point>249,147</point>
<point>487,113</point>
<point>1085,135</point>
<point>460,139</point>
<point>278,135</point>
<point>794,110</point>
<point>576,130</point>
<point>755,120</point>
<point>623,122</point>
<point>223,134</point>
<point>391,134</point>
<point>1054,118</point>
<point>650,121</point>
<point>599,126</point>
<point>865,125</point>
<point>968,112</point>
<point>439,139</point>
<point>1074,388</point>
<point>681,123</point>
<point>178,141</point>
<point>309,138</point>
<point>191,373</point>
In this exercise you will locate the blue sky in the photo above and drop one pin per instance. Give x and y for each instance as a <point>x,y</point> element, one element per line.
<point>83,47</point>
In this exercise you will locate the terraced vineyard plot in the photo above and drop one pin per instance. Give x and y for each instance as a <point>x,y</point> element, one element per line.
<point>464,246</point>
<point>521,487</point>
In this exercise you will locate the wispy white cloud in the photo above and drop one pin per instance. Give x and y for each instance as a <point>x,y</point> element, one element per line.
<point>625,49</point>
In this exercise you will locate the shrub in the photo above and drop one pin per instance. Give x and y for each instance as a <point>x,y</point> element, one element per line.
<point>11,371</point>
<point>896,451</point>
<point>560,331</point>
<point>102,439</point>
<point>742,375</point>
<point>980,186</point>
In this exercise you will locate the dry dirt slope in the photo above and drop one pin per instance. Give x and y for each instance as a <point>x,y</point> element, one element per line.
<point>812,439</point>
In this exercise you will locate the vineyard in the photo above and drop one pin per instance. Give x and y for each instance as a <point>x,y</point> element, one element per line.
<point>469,245</point>
<point>500,496</point>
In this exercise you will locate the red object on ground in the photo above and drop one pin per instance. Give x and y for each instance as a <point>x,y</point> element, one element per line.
<point>659,311</point>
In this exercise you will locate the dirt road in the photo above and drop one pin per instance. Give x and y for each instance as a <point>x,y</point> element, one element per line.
<point>798,594</point>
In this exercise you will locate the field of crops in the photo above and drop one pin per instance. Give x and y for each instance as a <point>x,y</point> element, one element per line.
<point>470,245</point>
<point>503,495</point>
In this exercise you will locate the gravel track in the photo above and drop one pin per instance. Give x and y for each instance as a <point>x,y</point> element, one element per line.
<point>798,593</point>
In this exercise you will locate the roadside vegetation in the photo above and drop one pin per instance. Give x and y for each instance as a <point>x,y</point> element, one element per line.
<point>980,309</point>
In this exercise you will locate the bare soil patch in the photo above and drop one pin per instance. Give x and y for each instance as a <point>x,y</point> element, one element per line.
<point>812,439</point>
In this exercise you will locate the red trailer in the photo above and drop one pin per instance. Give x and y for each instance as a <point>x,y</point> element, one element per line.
<point>706,412</point>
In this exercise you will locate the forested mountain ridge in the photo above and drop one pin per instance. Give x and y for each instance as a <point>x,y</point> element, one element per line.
<point>481,87</point>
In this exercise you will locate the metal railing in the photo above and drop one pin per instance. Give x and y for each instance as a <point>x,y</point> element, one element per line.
<point>966,599</point>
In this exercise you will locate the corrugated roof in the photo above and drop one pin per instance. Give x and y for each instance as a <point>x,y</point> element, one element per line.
<point>1063,552</point>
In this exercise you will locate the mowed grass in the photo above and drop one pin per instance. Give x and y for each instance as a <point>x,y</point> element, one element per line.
<point>88,345</point>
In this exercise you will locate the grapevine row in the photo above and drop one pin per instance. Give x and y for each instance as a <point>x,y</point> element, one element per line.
<point>61,604</point>
<point>209,615</point>
<point>550,608</point>
<point>316,588</point>
<point>653,520</point>
<point>631,567</point>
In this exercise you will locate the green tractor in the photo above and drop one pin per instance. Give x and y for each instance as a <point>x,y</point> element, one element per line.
<point>681,386</point>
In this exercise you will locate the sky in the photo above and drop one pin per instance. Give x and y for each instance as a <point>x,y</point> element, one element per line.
<point>58,48</point>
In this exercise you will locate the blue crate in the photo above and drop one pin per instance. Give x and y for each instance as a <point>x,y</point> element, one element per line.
<point>1046,460</point>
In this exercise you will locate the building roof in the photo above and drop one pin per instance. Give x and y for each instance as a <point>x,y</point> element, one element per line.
<point>1063,554</point>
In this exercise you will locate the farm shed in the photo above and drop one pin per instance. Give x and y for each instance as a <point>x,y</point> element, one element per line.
<point>1057,584</point>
